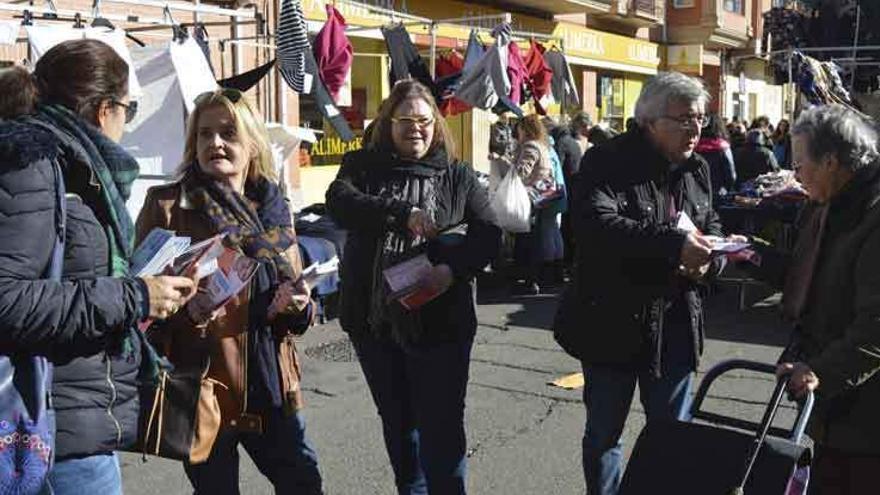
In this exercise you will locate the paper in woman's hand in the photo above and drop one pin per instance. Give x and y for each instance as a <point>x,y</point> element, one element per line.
<point>164,252</point>
<point>405,282</point>
<point>317,272</point>
<point>233,272</point>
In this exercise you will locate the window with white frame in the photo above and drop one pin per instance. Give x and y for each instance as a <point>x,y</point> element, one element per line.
<point>735,6</point>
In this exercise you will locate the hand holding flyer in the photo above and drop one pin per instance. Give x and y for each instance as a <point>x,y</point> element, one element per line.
<point>406,282</point>
<point>720,245</point>
<point>163,252</point>
<point>234,271</point>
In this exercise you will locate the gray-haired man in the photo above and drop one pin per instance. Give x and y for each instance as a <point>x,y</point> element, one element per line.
<point>635,312</point>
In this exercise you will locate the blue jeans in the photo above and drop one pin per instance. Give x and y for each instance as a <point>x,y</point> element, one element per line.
<point>608,394</point>
<point>281,452</point>
<point>419,393</point>
<point>92,474</point>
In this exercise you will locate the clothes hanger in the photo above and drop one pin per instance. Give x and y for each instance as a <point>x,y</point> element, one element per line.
<point>179,34</point>
<point>27,18</point>
<point>78,21</point>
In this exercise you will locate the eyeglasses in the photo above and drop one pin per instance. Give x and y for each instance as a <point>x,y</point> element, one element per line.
<point>417,120</point>
<point>131,109</point>
<point>231,94</point>
<point>687,121</point>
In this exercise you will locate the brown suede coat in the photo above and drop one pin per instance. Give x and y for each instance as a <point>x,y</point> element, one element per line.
<point>225,339</point>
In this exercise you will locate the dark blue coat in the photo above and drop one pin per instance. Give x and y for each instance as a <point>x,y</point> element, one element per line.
<point>79,322</point>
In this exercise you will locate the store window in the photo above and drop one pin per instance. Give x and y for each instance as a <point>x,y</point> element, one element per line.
<point>736,103</point>
<point>352,104</point>
<point>735,6</point>
<point>610,99</point>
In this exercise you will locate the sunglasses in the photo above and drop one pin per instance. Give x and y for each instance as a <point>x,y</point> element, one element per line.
<point>231,94</point>
<point>131,109</point>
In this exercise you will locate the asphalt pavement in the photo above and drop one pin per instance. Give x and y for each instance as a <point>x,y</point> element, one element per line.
<point>524,435</point>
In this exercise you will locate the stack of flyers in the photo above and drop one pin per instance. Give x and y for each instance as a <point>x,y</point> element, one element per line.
<point>720,245</point>
<point>233,272</point>
<point>316,272</point>
<point>163,252</point>
<point>404,281</point>
<point>157,251</point>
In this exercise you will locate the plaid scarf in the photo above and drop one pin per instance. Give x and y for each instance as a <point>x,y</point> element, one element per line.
<point>115,170</point>
<point>263,232</point>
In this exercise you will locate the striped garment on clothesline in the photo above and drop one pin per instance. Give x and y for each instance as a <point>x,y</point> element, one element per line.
<point>292,42</point>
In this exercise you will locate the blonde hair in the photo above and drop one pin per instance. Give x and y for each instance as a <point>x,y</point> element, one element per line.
<point>248,125</point>
<point>406,89</point>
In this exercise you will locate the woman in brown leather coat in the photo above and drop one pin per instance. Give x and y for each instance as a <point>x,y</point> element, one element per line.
<point>227,185</point>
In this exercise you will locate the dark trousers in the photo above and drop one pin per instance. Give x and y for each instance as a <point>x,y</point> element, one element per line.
<point>538,248</point>
<point>841,473</point>
<point>281,453</point>
<point>608,394</point>
<point>419,393</point>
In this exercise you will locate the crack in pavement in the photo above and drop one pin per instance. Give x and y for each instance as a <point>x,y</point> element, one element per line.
<point>318,391</point>
<point>503,440</point>
<point>518,367</point>
<point>523,346</point>
<point>494,326</point>
<point>565,400</point>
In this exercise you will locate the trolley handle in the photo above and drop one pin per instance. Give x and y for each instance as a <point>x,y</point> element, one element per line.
<point>805,405</point>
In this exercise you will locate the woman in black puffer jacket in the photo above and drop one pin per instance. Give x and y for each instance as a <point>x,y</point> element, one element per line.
<point>69,114</point>
<point>401,196</point>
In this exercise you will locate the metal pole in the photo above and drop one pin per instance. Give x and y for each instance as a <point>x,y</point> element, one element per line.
<point>433,28</point>
<point>855,48</point>
<point>792,85</point>
<point>389,12</point>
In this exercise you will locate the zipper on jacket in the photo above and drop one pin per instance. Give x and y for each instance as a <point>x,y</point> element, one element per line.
<point>112,403</point>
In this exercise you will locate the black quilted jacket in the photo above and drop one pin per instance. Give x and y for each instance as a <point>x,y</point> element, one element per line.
<point>78,322</point>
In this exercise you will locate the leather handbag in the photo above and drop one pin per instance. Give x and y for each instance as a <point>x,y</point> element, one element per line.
<point>27,422</point>
<point>180,415</point>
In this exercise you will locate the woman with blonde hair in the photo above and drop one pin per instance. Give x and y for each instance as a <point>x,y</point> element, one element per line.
<point>227,185</point>
<point>400,197</point>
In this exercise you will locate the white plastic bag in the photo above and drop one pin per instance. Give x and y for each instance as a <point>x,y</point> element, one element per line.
<point>511,204</point>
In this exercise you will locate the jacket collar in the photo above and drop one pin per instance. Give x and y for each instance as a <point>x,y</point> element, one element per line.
<point>184,201</point>
<point>862,190</point>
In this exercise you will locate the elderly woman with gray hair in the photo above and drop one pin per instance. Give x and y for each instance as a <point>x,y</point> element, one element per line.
<point>832,295</point>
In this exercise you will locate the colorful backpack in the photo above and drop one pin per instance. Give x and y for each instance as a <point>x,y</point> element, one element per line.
<point>27,423</point>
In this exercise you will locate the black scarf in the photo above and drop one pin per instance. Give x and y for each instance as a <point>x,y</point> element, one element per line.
<point>414,182</point>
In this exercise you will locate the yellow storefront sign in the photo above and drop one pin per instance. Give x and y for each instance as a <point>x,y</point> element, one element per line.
<point>354,15</point>
<point>590,44</point>
<point>687,59</point>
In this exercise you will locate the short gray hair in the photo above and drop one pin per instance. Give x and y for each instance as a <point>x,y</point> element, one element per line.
<point>654,99</point>
<point>840,132</point>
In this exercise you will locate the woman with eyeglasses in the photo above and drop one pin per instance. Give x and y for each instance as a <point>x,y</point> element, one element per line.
<point>402,196</point>
<point>227,184</point>
<point>67,117</point>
